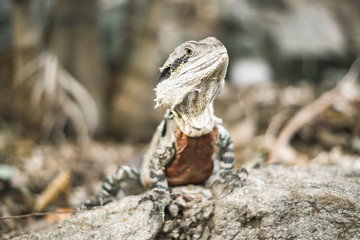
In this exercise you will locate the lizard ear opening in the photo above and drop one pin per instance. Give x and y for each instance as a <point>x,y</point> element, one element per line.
<point>165,73</point>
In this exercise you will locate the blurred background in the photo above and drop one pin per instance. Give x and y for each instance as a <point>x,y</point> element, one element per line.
<point>77,80</point>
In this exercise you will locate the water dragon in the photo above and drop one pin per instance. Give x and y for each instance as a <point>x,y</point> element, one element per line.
<point>182,150</point>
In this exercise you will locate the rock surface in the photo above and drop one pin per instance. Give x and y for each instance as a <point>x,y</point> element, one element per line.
<point>291,203</point>
<point>275,203</point>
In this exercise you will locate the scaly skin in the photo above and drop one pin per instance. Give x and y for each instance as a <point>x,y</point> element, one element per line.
<point>182,148</point>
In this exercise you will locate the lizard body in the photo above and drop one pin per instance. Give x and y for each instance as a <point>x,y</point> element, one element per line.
<point>182,148</point>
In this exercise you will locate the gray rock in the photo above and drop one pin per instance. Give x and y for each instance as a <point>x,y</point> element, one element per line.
<point>117,220</point>
<point>276,203</point>
<point>291,203</point>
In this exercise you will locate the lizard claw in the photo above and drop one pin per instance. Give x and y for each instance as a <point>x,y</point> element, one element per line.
<point>233,178</point>
<point>159,200</point>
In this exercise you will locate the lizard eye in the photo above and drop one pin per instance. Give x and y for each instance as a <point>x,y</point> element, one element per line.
<point>189,51</point>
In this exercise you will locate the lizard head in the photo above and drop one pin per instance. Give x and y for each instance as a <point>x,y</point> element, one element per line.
<point>190,79</point>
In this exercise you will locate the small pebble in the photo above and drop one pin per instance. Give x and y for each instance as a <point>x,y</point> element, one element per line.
<point>198,232</point>
<point>168,226</point>
<point>173,210</point>
<point>199,216</point>
<point>188,197</point>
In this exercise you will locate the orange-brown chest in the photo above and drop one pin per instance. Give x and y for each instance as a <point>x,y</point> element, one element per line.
<point>193,163</point>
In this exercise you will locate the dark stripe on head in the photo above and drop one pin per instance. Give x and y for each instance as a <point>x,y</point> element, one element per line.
<point>177,63</point>
<point>164,74</point>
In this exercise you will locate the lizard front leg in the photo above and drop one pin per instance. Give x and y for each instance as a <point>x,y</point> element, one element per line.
<point>125,179</point>
<point>227,174</point>
<point>159,190</point>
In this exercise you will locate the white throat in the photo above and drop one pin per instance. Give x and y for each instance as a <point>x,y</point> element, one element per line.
<point>197,125</point>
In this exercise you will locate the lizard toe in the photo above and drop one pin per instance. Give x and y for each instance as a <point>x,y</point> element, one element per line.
<point>159,201</point>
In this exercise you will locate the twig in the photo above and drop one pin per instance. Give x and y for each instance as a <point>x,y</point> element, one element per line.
<point>38,214</point>
<point>53,190</point>
<point>310,111</point>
